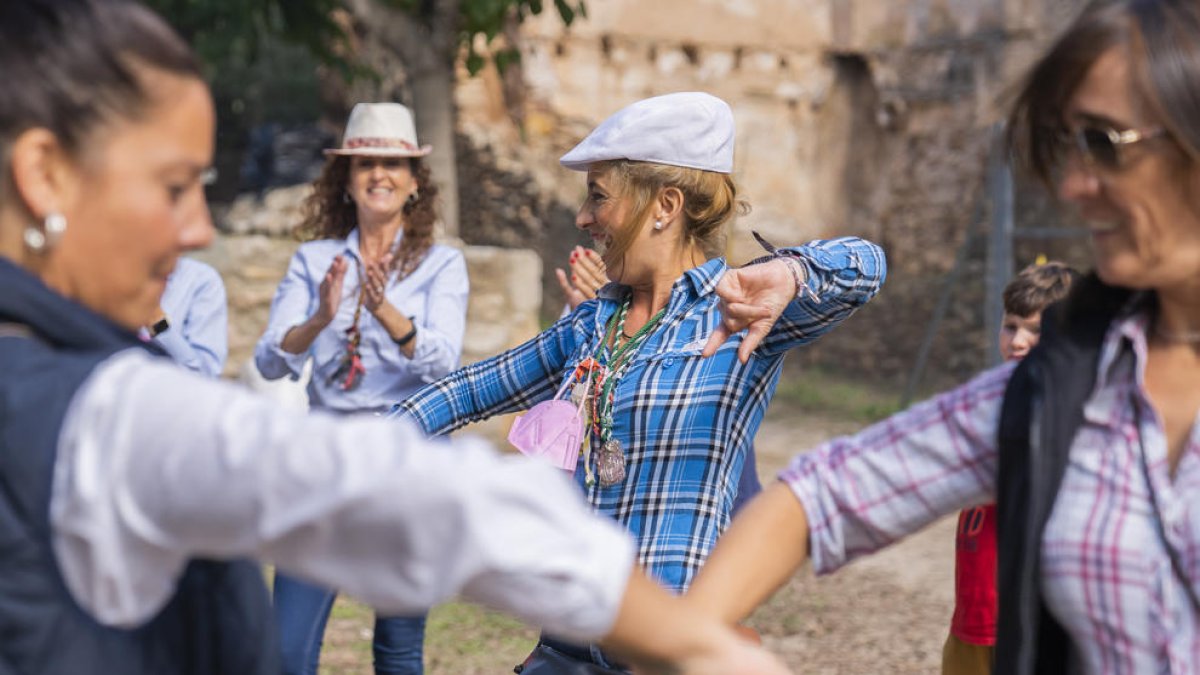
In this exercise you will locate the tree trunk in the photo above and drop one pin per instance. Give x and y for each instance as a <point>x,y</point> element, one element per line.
<point>427,46</point>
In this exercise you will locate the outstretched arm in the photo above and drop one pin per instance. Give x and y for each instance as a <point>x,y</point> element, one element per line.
<point>764,547</point>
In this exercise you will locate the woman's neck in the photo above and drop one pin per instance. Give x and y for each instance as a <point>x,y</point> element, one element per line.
<point>648,297</point>
<point>1179,314</point>
<point>375,237</point>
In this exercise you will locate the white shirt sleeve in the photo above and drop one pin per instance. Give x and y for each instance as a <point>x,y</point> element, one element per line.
<point>157,464</point>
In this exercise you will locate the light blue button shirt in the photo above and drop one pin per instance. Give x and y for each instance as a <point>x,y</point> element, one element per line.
<point>435,295</point>
<point>197,336</point>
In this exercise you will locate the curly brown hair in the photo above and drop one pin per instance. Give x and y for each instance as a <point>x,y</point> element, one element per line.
<point>329,215</point>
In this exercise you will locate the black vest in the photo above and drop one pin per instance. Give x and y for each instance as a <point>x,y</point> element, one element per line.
<point>219,619</point>
<point>1042,410</point>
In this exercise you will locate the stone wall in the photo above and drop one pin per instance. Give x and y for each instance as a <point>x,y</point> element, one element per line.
<point>867,117</point>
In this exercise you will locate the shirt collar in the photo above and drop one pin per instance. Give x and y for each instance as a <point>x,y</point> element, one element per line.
<point>697,282</point>
<point>1128,330</point>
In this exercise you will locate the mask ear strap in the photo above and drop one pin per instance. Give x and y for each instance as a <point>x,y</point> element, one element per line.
<point>563,389</point>
<point>583,399</point>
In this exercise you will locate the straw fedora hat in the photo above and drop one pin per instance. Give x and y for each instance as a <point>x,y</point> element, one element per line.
<point>381,130</point>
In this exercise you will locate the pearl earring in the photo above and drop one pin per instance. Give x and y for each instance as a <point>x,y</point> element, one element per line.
<point>658,225</point>
<point>53,227</point>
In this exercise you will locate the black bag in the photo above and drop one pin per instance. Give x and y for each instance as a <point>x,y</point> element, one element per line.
<point>546,660</point>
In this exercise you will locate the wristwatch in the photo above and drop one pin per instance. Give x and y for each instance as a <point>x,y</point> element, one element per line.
<point>158,327</point>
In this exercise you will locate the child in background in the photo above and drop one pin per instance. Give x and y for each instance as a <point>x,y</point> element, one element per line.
<point>968,649</point>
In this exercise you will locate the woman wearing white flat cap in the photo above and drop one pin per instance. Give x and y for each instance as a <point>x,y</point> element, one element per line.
<point>380,310</point>
<point>666,428</point>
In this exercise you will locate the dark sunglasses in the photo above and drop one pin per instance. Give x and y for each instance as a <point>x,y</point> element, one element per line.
<point>1103,146</point>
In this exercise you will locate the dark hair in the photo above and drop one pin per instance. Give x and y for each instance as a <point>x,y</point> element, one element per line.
<point>70,65</point>
<point>329,215</point>
<point>1037,287</point>
<point>1162,38</point>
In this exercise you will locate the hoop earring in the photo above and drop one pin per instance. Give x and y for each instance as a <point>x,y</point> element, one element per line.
<point>413,196</point>
<point>53,227</point>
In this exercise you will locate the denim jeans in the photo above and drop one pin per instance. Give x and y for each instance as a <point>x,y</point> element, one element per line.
<point>301,610</point>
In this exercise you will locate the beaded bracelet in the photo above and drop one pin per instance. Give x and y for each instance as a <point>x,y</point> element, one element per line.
<point>790,260</point>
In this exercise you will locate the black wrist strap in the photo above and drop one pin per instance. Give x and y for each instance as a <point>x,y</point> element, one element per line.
<point>159,326</point>
<point>403,340</point>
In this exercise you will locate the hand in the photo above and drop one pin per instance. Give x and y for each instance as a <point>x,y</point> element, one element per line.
<point>725,654</point>
<point>752,298</point>
<point>588,274</point>
<point>376,279</point>
<point>330,293</point>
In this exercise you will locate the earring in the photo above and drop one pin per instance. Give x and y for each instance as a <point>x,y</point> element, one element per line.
<point>53,227</point>
<point>658,224</point>
<point>414,196</point>
<point>346,198</point>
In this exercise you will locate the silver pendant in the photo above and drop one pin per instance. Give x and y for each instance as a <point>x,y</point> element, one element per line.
<point>579,393</point>
<point>610,465</point>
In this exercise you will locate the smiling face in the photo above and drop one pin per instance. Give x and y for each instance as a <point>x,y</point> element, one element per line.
<point>1143,216</point>
<point>604,215</point>
<point>134,201</point>
<point>380,186</point>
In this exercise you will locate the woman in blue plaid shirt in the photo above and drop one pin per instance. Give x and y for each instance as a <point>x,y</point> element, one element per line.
<point>667,428</point>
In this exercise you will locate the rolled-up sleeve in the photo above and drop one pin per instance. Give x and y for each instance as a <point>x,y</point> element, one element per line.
<point>441,326</point>
<point>295,300</point>
<point>841,275</point>
<point>157,465</point>
<point>863,492</point>
<point>198,336</point>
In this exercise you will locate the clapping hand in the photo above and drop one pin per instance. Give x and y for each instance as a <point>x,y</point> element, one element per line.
<point>376,280</point>
<point>751,299</point>
<point>588,274</point>
<point>330,293</point>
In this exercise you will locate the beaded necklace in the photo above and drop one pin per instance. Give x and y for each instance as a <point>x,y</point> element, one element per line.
<point>350,371</point>
<point>615,359</point>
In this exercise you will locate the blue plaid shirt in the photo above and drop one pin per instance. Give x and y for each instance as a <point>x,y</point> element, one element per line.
<point>686,422</point>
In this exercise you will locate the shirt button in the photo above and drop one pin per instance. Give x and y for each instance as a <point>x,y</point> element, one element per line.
<point>668,363</point>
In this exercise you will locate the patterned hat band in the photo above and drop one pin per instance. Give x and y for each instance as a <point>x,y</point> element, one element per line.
<point>397,143</point>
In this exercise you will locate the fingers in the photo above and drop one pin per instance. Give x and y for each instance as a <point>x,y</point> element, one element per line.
<point>718,338</point>
<point>574,297</point>
<point>754,336</point>
<point>587,271</point>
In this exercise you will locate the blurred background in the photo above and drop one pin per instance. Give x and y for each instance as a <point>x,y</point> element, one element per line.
<point>867,117</point>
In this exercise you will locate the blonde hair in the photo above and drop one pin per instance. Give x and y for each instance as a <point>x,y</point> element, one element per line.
<point>709,201</point>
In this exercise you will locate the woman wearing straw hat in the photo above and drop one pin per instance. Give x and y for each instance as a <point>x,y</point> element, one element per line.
<point>380,310</point>
<point>666,429</point>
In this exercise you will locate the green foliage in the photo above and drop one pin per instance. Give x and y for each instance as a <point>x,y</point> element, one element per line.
<point>487,18</point>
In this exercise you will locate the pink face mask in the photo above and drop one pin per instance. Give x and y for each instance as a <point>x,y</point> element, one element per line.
<point>551,430</point>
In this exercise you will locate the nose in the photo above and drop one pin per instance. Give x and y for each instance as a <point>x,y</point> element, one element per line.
<point>1079,180</point>
<point>196,229</point>
<point>1023,341</point>
<point>583,217</point>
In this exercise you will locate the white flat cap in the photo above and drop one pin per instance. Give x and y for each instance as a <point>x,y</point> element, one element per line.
<point>689,129</point>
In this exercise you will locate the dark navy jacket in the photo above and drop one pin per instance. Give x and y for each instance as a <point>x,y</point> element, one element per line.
<point>219,619</point>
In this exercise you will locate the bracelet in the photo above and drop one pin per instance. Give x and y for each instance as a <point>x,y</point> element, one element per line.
<point>403,340</point>
<point>158,327</point>
<point>798,272</point>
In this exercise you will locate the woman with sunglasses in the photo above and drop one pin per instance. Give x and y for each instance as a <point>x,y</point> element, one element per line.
<point>1093,453</point>
<point>139,497</point>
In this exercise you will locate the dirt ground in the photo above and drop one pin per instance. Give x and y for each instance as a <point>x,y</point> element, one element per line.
<point>885,614</point>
